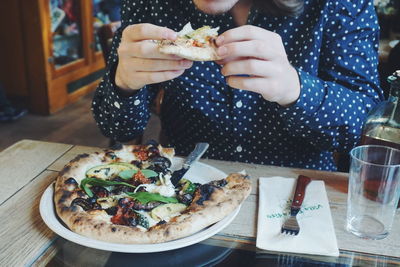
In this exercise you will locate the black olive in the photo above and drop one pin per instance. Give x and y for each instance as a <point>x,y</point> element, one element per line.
<point>84,203</point>
<point>185,199</point>
<point>96,206</point>
<point>100,191</point>
<point>92,200</point>
<point>131,221</point>
<point>123,202</point>
<point>161,162</point>
<point>152,142</point>
<point>153,152</point>
<point>71,180</point>
<point>137,163</point>
<point>112,210</point>
<point>148,206</point>
<point>161,222</point>
<point>119,189</point>
<point>220,183</point>
<point>111,155</point>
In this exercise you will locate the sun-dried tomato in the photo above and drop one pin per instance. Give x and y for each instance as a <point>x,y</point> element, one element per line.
<point>197,44</point>
<point>142,154</point>
<point>118,218</point>
<point>139,178</point>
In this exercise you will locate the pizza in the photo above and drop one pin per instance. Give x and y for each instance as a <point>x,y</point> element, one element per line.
<point>196,45</point>
<point>125,195</point>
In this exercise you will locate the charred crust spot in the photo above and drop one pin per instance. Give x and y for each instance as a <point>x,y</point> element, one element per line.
<point>205,192</point>
<point>113,229</point>
<point>77,220</point>
<point>65,208</point>
<point>110,154</point>
<point>166,233</point>
<point>65,195</point>
<point>79,157</point>
<point>65,170</point>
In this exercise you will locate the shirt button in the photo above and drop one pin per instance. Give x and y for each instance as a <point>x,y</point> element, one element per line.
<point>239,148</point>
<point>239,104</point>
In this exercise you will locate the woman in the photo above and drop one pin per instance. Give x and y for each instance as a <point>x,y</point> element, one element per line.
<point>295,82</point>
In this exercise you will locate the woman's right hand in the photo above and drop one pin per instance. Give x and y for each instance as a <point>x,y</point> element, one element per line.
<point>139,61</point>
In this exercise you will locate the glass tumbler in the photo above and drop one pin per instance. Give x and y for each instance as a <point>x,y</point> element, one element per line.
<point>374,190</point>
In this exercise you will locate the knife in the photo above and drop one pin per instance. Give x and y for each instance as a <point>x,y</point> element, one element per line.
<point>194,156</point>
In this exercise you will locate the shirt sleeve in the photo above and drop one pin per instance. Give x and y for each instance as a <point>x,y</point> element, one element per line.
<point>119,117</point>
<point>332,107</point>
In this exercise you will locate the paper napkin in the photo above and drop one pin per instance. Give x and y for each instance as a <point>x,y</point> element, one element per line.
<point>317,234</point>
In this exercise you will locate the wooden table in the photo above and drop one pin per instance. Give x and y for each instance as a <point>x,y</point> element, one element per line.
<point>28,167</point>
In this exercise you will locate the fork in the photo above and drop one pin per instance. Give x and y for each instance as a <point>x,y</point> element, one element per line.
<point>291,225</point>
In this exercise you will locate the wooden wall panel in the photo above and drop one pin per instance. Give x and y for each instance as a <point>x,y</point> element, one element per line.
<point>12,63</point>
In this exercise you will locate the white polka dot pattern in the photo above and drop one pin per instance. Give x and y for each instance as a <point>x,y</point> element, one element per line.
<point>332,44</point>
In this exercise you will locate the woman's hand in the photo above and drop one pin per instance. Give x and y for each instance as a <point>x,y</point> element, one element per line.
<point>139,61</point>
<point>258,53</point>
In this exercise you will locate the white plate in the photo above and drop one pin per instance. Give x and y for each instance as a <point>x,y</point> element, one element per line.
<point>199,172</point>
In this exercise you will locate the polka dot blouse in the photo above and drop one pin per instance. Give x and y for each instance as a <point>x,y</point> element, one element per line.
<point>332,44</point>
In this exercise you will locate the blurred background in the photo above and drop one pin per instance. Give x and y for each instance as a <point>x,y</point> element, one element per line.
<point>54,54</point>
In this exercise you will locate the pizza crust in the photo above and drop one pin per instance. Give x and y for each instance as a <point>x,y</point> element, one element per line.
<point>207,53</point>
<point>203,211</point>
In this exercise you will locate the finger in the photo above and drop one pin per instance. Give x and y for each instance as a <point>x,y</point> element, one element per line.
<point>253,84</point>
<point>244,33</point>
<point>229,59</point>
<point>157,77</point>
<point>254,48</point>
<point>253,67</point>
<point>145,64</point>
<point>143,49</point>
<point>147,31</point>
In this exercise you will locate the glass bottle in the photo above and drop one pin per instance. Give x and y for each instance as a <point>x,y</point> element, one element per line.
<point>382,126</point>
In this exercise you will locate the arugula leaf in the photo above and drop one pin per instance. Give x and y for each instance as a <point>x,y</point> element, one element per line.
<point>128,174</point>
<point>146,197</point>
<point>99,182</point>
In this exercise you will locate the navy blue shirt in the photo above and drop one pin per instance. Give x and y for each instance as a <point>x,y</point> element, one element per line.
<point>332,44</point>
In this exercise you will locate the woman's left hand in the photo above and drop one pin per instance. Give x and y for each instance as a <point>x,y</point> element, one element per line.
<point>259,54</point>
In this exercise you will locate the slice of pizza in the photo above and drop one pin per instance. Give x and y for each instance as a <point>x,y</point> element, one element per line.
<point>126,196</point>
<point>196,45</point>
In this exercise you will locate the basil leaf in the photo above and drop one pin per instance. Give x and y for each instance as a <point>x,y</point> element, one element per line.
<point>146,197</point>
<point>128,174</point>
<point>99,182</point>
<point>149,173</point>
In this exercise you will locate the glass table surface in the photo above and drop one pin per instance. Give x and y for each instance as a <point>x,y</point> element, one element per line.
<point>219,250</point>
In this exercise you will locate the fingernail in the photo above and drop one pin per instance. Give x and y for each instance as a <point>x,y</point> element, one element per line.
<point>220,40</point>
<point>186,63</point>
<point>172,35</point>
<point>222,51</point>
